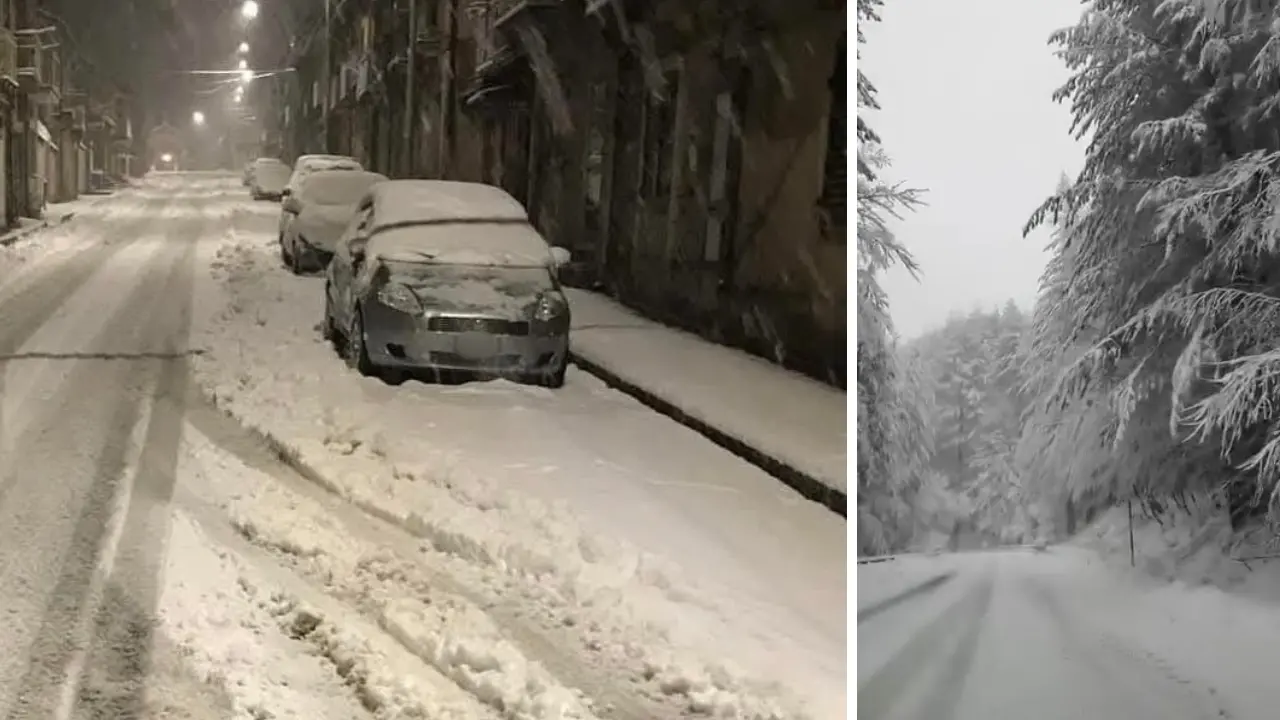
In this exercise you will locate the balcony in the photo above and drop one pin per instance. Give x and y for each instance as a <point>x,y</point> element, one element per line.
<point>77,119</point>
<point>39,70</point>
<point>124,131</point>
<point>506,11</point>
<point>100,116</point>
<point>8,57</point>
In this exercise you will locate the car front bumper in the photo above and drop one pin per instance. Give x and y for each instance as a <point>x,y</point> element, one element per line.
<point>395,339</point>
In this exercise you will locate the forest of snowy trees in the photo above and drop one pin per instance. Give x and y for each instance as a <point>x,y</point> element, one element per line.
<point>1150,366</point>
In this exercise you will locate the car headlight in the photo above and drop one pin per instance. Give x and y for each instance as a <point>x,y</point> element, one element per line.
<point>399,297</point>
<point>549,308</point>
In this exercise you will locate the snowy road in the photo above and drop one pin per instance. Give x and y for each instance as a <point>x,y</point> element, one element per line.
<point>94,347</point>
<point>1058,636</point>
<point>203,514</point>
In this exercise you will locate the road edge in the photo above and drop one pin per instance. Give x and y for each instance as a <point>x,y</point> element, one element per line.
<point>902,596</point>
<point>807,485</point>
<point>16,236</point>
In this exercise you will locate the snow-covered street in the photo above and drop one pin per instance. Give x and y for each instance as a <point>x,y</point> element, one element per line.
<point>205,513</point>
<point>1060,634</point>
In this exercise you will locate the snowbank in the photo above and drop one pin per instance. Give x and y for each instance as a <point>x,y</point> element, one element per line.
<point>413,455</point>
<point>1189,601</point>
<point>799,421</point>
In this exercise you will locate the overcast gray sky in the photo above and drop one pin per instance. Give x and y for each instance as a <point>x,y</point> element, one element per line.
<point>968,115</point>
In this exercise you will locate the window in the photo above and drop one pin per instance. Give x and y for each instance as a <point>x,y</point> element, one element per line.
<point>834,168</point>
<point>659,140</point>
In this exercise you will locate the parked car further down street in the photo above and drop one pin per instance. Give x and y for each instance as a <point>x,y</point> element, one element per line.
<point>447,277</point>
<point>253,166</point>
<point>322,206</point>
<point>269,181</point>
<point>306,165</point>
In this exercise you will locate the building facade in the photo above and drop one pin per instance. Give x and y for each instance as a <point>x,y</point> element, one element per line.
<point>690,155</point>
<point>58,122</point>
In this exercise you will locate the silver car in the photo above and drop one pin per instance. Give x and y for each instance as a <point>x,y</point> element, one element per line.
<point>322,206</point>
<point>447,277</point>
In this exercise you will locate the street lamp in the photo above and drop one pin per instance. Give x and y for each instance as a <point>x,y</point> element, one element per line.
<point>244,64</point>
<point>197,117</point>
<point>249,10</point>
<point>244,47</point>
<point>246,76</point>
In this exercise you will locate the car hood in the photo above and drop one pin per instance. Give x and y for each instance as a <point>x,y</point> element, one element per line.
<point>514,301</point>
<point>322,225</point>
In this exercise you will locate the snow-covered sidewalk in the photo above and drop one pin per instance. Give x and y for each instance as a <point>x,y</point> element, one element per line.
<point>55,214</point>
<point>786,417</point>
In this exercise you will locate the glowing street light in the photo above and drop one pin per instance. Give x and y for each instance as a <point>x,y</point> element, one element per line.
<point>244,64</point>
<point>244,47</point>
<point>249,10</point>
<point>167,157</point>
<point>246,76</point>
<point>197,117</point>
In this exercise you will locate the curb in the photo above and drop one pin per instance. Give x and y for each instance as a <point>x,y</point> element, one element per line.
<point>807,485</point>
<point>26,232</point>
<point>880,606</point>
<point>291,457</point>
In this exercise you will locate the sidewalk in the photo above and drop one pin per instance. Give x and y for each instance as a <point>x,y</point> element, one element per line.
<point>790,425</point>
<point>55,214</point>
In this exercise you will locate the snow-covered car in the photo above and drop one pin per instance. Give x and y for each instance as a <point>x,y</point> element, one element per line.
<point>253,165</point>
<point>307,164</point>
<point>443,276</point>
<point>322,206</point>
<point>269,180</point>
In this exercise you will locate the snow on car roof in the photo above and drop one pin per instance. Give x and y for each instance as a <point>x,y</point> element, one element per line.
<point>317,160</point>
<point>410,202</point>
<point>272,171</point>
<point>345,186</point>
<point>497,244</point>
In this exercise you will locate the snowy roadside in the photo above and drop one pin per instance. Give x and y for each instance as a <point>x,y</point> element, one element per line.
<point>785,416</point>
<point>393,453</point>
<point>1188,604</point>
<point>44,244</point>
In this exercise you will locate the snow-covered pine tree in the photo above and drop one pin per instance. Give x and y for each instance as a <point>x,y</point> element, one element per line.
<point>891,436</point>
<point>1167,264</point>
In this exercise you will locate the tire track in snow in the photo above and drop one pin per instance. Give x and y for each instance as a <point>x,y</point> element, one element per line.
<point>127,385</point>
<point>120,658</point>
<point>1115,661</point>
<point>24,311</point>
<point>955,629</point>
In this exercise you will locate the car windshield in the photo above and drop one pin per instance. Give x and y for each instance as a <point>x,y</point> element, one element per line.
<point>272,173</point>
<point>338,188</point>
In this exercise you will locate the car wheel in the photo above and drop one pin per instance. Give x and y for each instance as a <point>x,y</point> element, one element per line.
<point>357,355</point>
<point>553,378</point>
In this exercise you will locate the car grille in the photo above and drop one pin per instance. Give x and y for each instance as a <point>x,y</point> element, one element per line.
<point>493,326</point>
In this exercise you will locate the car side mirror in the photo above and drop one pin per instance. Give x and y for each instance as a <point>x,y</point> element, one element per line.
<point>286,192</point>
<point>560,256</point>
<point>291,204</point>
